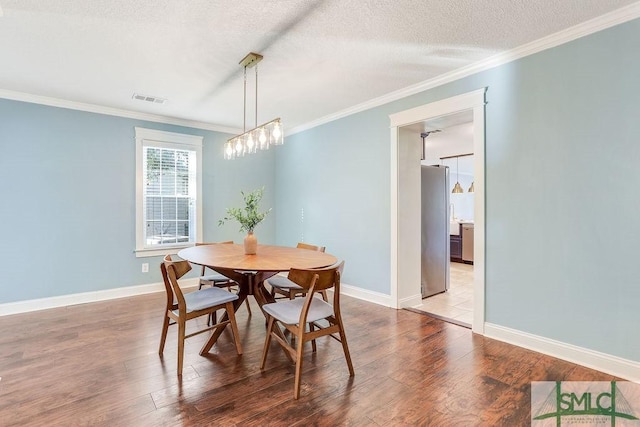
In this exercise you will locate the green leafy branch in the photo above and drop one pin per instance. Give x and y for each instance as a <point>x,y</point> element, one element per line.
<point>249,217</point>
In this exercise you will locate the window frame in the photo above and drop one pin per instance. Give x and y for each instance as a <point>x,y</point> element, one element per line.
<point>171,140</point>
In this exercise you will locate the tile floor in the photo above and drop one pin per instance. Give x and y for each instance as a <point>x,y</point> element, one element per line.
<point>457,302</point>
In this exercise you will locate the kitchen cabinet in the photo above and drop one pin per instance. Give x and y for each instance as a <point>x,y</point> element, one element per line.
<point>467,243</point>
<point>456,248</point>
<point>455,241</point>
<point>461,242</point>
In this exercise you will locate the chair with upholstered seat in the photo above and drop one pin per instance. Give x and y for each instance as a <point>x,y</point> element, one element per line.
<point>282,285</point>
<point>215,279</point>
<point>294,315</point>
<point>183,307</point>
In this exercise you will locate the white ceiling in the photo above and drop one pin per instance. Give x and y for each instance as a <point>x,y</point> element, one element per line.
<point>320,57</point>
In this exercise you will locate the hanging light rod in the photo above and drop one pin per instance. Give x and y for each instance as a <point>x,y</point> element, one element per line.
<point>269,133</point>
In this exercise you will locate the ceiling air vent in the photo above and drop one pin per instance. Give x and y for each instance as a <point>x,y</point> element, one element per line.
<point>153,99</point>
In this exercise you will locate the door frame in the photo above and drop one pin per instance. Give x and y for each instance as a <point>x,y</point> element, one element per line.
<point>405,198</point>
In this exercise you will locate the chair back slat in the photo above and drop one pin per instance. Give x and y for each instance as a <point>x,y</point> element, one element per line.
<point>305,278</point>
<point>172,271</point>
<point>167,285</point>
<point>336,289</point>
<point>326,277</point>
<point>301,245</point>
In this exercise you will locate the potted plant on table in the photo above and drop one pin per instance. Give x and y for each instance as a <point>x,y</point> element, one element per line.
<point>248,218</point>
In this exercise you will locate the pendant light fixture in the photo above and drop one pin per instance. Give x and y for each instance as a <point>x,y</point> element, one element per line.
<point>262,136</point>
<point>471,189</point>
<point>457,188</point>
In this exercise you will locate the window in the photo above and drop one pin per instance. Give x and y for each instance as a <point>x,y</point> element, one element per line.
<point>168,191</point>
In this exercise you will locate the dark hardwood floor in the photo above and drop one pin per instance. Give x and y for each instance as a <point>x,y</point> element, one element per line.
<point>98,364</point>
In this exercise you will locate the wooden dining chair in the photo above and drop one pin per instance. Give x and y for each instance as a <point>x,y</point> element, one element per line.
<point>183,307</point>
<point>296,314</point>
<point>215,279</point>
<point>283,286</point>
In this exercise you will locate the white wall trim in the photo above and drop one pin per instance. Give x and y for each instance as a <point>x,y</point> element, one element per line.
<point>365,295</point>
<point>171,140</point>
<point>394,180</point>
<point>86,297</point>
<point>603,362</point>
<point>442,107</point>
<point>109,111</point>
<point>479,242</point>
<point>586,28</point>
<point>400,268</point>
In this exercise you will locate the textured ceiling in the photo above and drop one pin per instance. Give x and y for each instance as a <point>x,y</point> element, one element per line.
<point>320,57</point>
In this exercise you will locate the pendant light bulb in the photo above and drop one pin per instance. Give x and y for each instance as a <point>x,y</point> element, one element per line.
<point>263,137</point>
<point>250,143</point>
<point>277,133</point>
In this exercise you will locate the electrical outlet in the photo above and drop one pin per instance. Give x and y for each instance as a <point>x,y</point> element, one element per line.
<point>145,267</point>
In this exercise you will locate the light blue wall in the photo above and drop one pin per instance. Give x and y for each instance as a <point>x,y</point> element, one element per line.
<point>68,199</point>
<point>562,133</point>
<point>341,180</point>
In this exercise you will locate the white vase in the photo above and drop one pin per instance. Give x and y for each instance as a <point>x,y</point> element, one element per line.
<point>250,244</point>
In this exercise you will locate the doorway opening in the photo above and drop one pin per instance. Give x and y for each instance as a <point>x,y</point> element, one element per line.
<point>447,216</point>
<point>406,196</point>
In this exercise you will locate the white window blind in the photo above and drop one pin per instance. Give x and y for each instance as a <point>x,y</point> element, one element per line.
<point>168,192</point>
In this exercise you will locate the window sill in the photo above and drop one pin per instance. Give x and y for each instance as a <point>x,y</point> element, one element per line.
<point>144,253</point>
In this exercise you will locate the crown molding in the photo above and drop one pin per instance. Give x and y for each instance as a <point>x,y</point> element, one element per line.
<point>586,28</point>
<point>109,111</point>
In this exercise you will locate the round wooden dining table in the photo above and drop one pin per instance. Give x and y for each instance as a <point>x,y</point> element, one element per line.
<point>268,259</point>
<point>250,271</point>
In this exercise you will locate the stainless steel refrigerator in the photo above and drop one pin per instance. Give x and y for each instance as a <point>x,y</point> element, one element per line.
<point>435,230</point>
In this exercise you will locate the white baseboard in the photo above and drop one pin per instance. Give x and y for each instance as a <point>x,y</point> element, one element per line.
<point>129,291</point>
<point>365,295</point>
<point>86,297</point>
<point>603,362</point>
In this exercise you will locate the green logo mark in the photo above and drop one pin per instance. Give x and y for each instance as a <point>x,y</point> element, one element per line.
<point>611,404</point>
